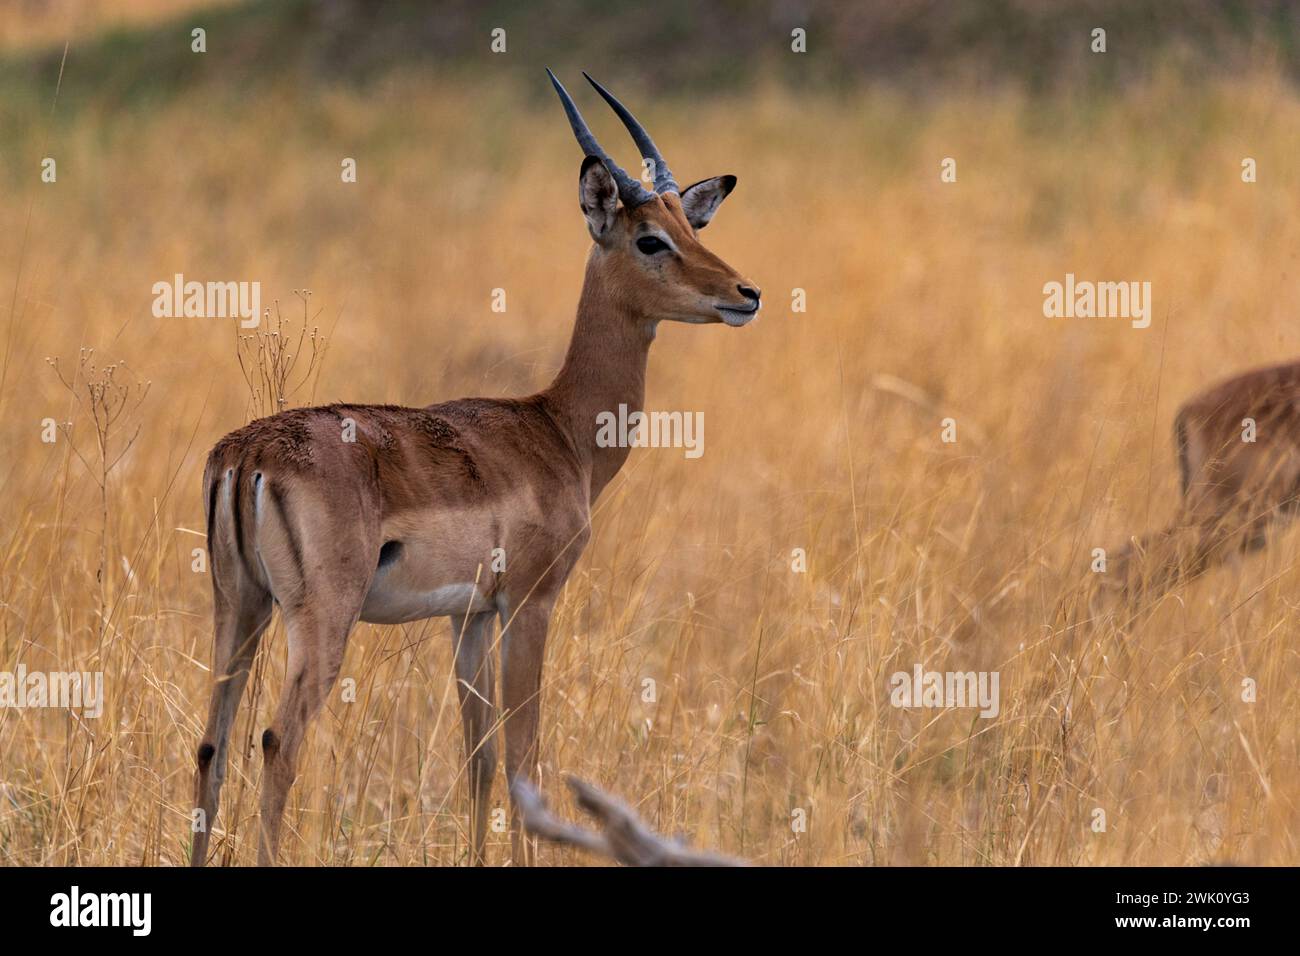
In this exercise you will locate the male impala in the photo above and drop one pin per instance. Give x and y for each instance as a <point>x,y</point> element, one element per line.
<point>1238,447</point>
<point>402,522</point>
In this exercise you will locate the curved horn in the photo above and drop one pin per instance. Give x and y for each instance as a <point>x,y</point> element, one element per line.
<point>664,182</point>
<point>629,190</point>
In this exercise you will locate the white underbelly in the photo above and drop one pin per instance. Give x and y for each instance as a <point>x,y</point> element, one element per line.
<point>389,602</point>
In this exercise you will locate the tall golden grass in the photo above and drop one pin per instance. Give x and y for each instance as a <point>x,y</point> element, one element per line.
<point>924,302</point>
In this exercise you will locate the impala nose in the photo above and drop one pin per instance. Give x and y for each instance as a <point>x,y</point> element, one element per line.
<point>749,292</point>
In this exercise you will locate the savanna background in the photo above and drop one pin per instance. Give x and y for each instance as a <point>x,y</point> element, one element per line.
<point>924,302</point>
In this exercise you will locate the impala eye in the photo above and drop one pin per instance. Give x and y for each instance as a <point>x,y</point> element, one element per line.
<point>649,245</point>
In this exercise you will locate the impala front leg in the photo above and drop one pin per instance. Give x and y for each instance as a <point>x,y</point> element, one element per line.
<point>471,637</point>
<point>523,647</point>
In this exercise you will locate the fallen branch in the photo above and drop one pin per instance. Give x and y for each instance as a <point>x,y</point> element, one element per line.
<point>621,835</point>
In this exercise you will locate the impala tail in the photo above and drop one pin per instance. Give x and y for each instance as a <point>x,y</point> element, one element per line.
<point>233,490</point>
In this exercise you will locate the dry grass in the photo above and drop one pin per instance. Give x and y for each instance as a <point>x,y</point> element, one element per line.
<point>771,686</point>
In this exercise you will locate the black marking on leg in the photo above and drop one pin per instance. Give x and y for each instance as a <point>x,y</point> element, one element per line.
<point>269,742</point>
<point>236,515</point>
<point>206,752</point>
<point>236,512</point>
<point>277,498</point>
<point>1181,447</point>
<point>212,513</point>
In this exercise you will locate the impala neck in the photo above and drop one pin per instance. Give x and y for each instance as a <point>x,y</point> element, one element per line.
<point>604,368</point>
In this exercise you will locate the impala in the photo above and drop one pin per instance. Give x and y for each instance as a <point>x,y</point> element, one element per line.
<point>1238,446</point>
<point>402,522</point>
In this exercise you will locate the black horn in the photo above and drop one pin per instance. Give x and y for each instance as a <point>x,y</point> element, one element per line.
<point>629,190</point>
<point>664,182</point>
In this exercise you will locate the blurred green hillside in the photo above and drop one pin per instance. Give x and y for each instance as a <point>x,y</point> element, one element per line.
<point>671,45</point>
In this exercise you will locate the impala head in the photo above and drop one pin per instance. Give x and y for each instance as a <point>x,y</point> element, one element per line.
<point>647,251</point>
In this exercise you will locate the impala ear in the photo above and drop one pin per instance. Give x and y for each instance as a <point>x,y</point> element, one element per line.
<point>702,200</point>
<point>598,197</point>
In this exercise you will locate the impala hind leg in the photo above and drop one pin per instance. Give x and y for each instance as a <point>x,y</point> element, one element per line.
<point>238,624</point>
<point>523,648</point>
<point>317,640</point>
<point>471,638</point>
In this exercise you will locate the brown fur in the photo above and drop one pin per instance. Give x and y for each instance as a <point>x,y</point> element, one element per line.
<point>404,520</point>
<point>1233,492</point>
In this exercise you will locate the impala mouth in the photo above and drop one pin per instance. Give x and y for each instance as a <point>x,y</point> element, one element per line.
<point>737,315</point>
